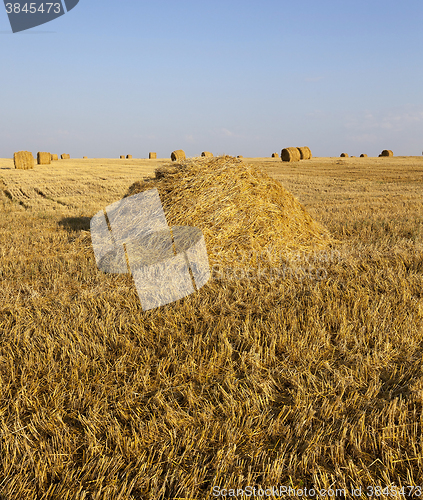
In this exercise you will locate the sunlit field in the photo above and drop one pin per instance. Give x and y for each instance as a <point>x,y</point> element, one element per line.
<point>310,379</point>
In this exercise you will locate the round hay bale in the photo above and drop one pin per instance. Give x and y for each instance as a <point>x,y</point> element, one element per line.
<point>23,160</point>
<point>363,155</point>
<point>275,155</point>
<point>240,156</point>
<point>152,156</point>
<point>54,157</point>
<point>305,153</point>
<point>177,155</point>
<point>43,158</point>
<point>85,158</point>
<point>344,155</point>
<point>290,154</point>
<point>65,156</point>
<point>129,157</point>
<point>386,152</point>
<point>207,154</point>
<point>122,157</point>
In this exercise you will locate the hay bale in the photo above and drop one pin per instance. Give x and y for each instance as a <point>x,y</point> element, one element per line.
<point>65,156</point>
<point>129,157</point>
<point>85,157</point>
<point>178,155</point>
<point>152,156</point>
<point>122,157</point>
<point>248,219</point>
<point>290,154</point>
<point>23,160</point>
<point>386,152</point>
<point>43,158</point>
<point>363,155</point>
<point>305,153</point>
<point>207,154</point>
<point>344,155</point>
<point>275,155</point>
<point>240,156</point>
<point>54,157</point>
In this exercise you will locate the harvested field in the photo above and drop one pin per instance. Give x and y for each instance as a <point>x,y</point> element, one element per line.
<point>306,372</point>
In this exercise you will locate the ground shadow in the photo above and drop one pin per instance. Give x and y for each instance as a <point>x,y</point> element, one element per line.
<point>75,223</point>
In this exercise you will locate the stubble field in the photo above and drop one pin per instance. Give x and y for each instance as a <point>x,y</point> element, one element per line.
<point>307,380</point>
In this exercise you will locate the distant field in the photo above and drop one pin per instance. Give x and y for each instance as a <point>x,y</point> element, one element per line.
<point>308,383</point>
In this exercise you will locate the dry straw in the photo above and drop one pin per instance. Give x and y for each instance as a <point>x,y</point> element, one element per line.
<point>122,157</point>
<point>240,156</point>
<point>275,155</point>
<point>386,152</point>
<point>23,160</point>
<point>242,211</point>
<point>344,155</point>
<point>54,157</point>
<point>43,158</point>
<point>207,154</point>
<point>290,154</point>
<point>305,153</point>
<point>129,157</point>
<point>152,156</point>
<point>85,157</point>
<point>65,156</point>
<point>363,155</point>
<point>178,155</point>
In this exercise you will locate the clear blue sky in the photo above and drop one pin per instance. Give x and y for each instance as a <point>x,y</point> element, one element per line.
<point>227,76</point>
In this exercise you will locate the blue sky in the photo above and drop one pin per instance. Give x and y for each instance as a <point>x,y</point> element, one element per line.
<point>237,77</point>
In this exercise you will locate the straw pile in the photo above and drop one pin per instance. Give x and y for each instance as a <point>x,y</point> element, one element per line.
<point>178,155</point>
<point>152,156</point>
<point>244,214</point>
<point>129,157</point>
<point>305,153</point>
<point>290,154</point>
<point>43,158</point>
<point>363,155</point>
<point>275,155</point>
<point>23,160</point>
<point>207,154</point>
<point>386,152</point>
<point>344,155</point>
<point>65,156</point>
<point>54,157</point>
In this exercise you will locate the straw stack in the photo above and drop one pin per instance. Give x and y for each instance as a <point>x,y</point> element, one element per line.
<point>290,154</point>
<point>207,154</point>
<point>386,152</point>
<point>275,155</point>
<point>152,156</point>
<point>65,156</point>
<point>344,155</point>
<point>305,153</point>
<point>178,155</point>
<point>240,210</point>
<point>129,157</point>
<point>363,155</point>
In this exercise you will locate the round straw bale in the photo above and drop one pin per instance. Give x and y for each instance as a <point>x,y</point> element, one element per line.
<point>363,155</point>
<point>207,153</point>
<point>344,155</point>
<point>23,160</point>
<point>152,156</point>
<point>122,157</point>
<point>290,154</point>
<point>43,158</point>
<point>240,156</point>
<point>386,152</point>
<point>304,153</point>
<point>129,157</point>
<point>54,157</point>
<point>65,156</point>
<point>275,155</point>
<point>177,155</point>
